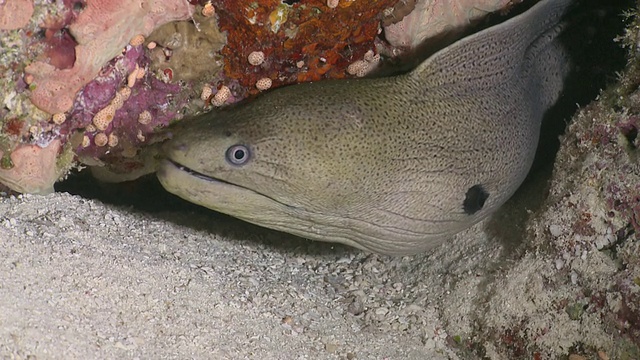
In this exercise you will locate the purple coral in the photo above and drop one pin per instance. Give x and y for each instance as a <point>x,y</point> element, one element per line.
<point>148,94</point>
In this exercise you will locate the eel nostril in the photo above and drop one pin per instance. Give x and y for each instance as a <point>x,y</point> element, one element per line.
<point>172,147</point>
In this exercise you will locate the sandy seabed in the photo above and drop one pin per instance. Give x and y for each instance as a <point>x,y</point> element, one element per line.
<point>85,279</point>
<point>103,281</point>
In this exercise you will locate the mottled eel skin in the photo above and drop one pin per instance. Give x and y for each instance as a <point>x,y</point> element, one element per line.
<point>393,165</point>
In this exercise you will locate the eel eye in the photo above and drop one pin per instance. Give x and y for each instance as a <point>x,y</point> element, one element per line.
<point>238,154</point>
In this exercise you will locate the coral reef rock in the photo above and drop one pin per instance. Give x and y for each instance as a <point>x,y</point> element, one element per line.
<point>433,18</point>
<point>101,30</point>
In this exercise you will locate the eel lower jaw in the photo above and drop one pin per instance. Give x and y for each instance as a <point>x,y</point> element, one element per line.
<point>193,186</point>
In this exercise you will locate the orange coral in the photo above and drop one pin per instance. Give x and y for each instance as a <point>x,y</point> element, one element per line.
<point>102,30</point>
<point>306,41</point>
<point>208,10</point>
<point>256,58</point>
<point>59,118</point>
<point>137,40</point>
<point>206,93</point>
<point>103,118</point>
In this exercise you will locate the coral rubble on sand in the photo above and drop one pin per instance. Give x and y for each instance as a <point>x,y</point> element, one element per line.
<point>576,292</point>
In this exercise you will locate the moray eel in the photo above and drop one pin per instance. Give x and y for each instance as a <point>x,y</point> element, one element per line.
<point>392,165</point>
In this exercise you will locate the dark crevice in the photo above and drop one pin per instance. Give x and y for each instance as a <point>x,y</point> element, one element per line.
<point>630,133</point>
<point>143,194</point>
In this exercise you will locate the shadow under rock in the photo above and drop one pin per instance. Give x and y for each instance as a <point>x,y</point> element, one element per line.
<point>146,195</point>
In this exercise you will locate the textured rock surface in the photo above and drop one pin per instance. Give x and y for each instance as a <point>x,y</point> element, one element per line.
<point>434,18</point>
<point>101,30</point>
<point>15,14</point>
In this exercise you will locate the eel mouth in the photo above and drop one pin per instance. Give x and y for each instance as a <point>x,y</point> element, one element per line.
<point>167,162</point>
<point>191,184</point>
<point>169,165</point>
<point>191,172</point>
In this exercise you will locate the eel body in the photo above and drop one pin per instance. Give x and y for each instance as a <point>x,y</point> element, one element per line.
<point>392,165</point>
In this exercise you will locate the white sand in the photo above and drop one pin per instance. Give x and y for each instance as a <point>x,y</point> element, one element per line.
<point>81,279</point>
